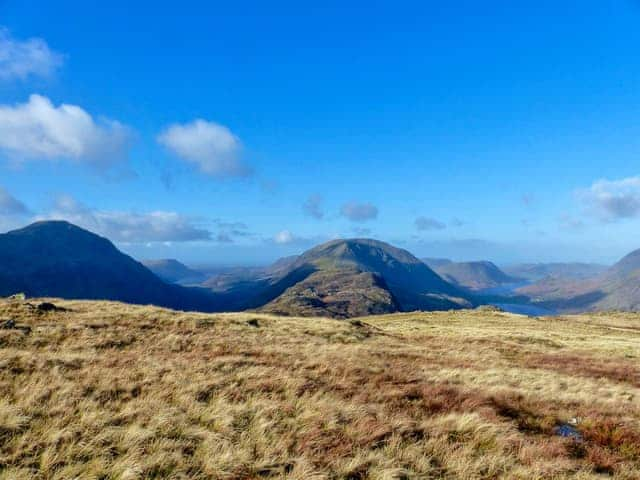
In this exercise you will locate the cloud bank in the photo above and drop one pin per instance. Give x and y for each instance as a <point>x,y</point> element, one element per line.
<point>128,227</point>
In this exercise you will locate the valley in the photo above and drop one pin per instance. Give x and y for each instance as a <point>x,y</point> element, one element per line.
<point>342,278</point>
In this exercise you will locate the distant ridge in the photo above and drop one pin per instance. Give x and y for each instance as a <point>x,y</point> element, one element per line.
<point>471,275</point>
<point>572,270</point>
<point>173,271</point>
<point>59,259</point>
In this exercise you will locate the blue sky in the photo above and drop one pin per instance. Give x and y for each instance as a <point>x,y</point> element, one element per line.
<point>239,132</point>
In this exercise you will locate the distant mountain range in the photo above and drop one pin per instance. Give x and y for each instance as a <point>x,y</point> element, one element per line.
<point>340,278</point>
<point>475,276</point>
<point>537,271</point>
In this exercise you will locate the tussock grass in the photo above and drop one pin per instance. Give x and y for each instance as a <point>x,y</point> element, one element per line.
<point>111,391</point>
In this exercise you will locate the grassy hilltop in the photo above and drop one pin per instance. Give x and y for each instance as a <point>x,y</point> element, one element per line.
<point>108,390</point>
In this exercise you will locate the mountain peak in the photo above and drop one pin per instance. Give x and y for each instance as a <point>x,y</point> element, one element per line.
<point>57,226</point>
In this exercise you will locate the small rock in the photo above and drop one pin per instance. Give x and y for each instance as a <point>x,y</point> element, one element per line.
<point>12,325</point>
<point>8,324</point>
<point>49,307</point>
<point>253,322</point>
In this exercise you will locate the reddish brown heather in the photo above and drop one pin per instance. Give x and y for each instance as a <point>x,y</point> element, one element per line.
<point>107,390</point>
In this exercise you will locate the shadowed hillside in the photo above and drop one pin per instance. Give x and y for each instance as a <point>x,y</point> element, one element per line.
<point>57,258</point>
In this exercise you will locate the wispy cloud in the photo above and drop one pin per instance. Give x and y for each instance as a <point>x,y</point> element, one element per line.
<point>20,59</point>
<point>38,130</point>
<point>572,224</point>
<point>212,147</point>
<point>612,200</point>
<point>359,212</point>
<point>229,232</point>
<point>527,199</point>
<point>426,223</point>
<point>10,205</point>
<point>157,226</point>
<point>313,206</point>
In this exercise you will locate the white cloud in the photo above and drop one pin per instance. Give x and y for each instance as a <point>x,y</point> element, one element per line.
<point>157,226</point>
<point>284,237</point>
<point>24,58</point>
<point>10,205</point>
<point>212,147</point>
<point>612,200</point>
<point>359,212</point>
<point>425,223</point>
<point>38,130</point>
<point>287,238</point>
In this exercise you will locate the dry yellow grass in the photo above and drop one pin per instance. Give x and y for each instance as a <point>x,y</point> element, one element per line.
<point>107,390</point>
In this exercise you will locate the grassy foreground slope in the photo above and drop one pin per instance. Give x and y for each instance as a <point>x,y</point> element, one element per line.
<point>108,390</point>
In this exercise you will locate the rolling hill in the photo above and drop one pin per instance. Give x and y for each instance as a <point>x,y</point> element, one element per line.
<point>58,259</point>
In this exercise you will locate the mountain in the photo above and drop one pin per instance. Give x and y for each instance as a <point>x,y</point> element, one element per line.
<point>472,275</point>
<point>617,288</point>
<point>620,285</point>
<point>352,277</point>
<point>173,271</point>
<point>537,271</point>
<point>58,259</point>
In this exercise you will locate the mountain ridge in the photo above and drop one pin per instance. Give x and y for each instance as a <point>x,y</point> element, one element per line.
<point>475,276</point>
<point>58,259</point>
